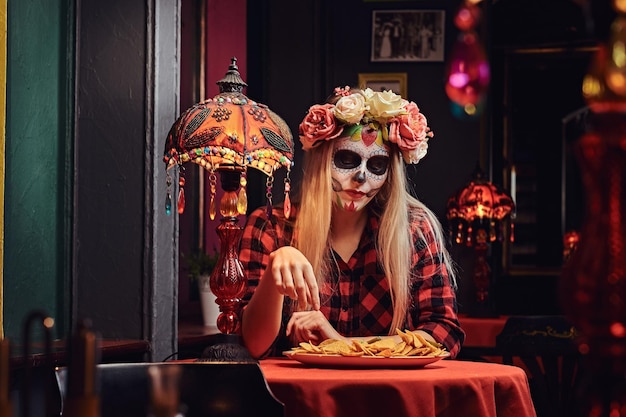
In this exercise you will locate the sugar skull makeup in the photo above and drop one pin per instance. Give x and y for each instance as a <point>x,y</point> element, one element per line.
<point>359,169</point>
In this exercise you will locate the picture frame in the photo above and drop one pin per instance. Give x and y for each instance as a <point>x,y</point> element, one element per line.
<point>381,81</point>
<point>408,35</point>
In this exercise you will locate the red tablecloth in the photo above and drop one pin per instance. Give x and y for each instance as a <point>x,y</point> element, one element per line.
<point>482,331</point>
<point>447,388</point>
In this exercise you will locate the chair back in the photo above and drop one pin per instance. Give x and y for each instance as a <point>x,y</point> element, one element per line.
<point>206,389</point>
<point>545,347</point>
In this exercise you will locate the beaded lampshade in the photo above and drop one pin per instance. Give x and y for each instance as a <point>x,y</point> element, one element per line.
<point>229,132</point>
<point>475,211</point>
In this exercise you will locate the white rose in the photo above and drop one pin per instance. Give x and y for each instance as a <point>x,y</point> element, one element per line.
<point>386,104</point>
<point>350,109</point>
<point>415,155</point>
<point>368,93</point>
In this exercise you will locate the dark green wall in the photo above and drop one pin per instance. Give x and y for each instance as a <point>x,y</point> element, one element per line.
<point>37,185</point>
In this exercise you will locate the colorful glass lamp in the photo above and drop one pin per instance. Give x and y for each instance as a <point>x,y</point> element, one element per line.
<point>227,134</point>
<point>468,73</point>
<point>476,214</point>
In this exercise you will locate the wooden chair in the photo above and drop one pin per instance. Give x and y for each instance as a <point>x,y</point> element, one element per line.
<point>225,389</point>
<point>545,347</point>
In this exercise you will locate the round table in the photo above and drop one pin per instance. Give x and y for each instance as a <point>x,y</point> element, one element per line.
<point>445,388</point>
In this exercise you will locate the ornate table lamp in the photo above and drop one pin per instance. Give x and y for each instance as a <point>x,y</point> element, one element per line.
<point>227,134</point>
<point>476,213</point>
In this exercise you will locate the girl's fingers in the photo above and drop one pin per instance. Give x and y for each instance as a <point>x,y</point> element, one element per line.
<point>294,325</point>
<point>290,325</point>
<point>287,280</point>
<point>313,295</point>
<point>294,277</point>
<point>300,288</point>
<point>306,335</point>
<point>305,326</point>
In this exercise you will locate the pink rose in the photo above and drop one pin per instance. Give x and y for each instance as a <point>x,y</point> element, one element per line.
<point>395,136</point>
<point>319,124</point>
<point>410,132</point>
<point>413,124</point>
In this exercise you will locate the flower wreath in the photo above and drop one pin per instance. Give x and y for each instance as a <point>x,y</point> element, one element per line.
<point>399,121</point>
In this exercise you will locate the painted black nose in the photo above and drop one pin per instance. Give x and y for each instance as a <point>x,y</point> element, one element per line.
<point>359,177</point>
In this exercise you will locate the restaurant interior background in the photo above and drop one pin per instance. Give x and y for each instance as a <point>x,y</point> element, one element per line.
<point>93,87</point>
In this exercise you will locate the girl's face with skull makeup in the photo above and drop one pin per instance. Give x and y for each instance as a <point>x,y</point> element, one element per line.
<point>359,170</point>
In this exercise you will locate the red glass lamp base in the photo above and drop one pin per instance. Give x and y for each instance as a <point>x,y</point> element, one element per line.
<point>228,282</point>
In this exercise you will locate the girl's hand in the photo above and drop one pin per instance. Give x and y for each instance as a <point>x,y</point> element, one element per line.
<point>292,275</point>
<point>310,326</point>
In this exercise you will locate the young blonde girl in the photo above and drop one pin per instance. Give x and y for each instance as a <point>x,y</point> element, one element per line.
<point>302,267</point>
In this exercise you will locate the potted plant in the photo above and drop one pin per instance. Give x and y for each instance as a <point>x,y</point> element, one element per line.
<point>200,265</point>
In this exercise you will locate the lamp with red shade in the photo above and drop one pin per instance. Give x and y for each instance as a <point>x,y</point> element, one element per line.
<point>477,214</point>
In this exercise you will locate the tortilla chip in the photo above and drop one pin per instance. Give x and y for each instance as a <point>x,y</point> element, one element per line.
<point>310,347</point>
<point>382,344</point>
<point>352,353</point>
<point>361,347</point>
<point>327,342</point>
<point>336,347</point>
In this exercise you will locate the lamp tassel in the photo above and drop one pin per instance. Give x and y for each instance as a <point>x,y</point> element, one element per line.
<point>168,198</point>
<point>269,182</point>
<point>242,198</point>
<point>181,194</point>
<point>212,182</point>
<point>287,202</point>
<point>180,202</point>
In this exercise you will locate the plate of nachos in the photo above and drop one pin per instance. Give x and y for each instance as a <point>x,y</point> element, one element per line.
<point>412,351</point>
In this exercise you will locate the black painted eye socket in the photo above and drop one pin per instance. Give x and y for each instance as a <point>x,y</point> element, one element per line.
<point>345,159</point>
<point>378,164</point>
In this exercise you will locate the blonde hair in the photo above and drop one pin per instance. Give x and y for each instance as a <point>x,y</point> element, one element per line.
<point>394,245</point>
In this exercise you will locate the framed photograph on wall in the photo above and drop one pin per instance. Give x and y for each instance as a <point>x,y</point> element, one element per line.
<point>408,35</point>
<point>394,81</point>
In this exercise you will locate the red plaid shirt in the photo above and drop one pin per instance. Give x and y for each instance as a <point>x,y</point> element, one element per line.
<point>356,298</point>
